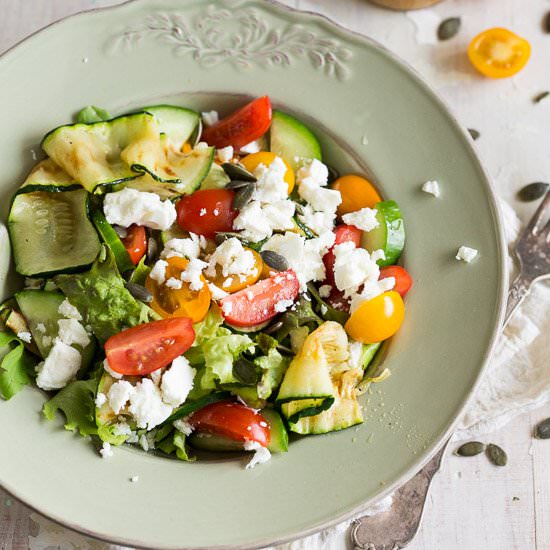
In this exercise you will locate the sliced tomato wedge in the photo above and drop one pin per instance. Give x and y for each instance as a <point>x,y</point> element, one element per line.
<point>258,303</point>
<point>232,420</point>
<point>403,281</point>
<point>337,300</point>
<point>146,348</point>
<point>207,212</point>
<point>245,125</point>
<point>344,233</point>
<point>135,242</point>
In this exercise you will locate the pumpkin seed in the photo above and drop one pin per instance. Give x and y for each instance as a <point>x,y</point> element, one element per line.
<point>273,328</point>
<point>333,174</point>
<point>533,191</point>
<point>245,372</point>
<point>238,172</point>
<point>539,97</point>
<point>274,260</point>
<point>542,430</point>
<point>448,28</point>
<point>496,455</point>
<point>152,250</point>
<point>122,232</point>
<point>139,292</point>
<point>243,196</point>
<point>224,236</point>
<point>472,448</point>
<point>474,133</point>
<point>236,184</point>
<point>546,24</point>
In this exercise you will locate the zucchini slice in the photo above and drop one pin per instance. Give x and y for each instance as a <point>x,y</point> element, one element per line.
<point>216,178</point>
<point>179,124</point>
<point>389,236</point>
<point>48,176</point>
<point>51,233</point>
<point>291,139</point>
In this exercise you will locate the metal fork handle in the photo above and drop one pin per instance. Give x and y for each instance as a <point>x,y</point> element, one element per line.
<point>517,293</point>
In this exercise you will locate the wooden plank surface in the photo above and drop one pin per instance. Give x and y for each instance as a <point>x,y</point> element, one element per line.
<point>472,504</point>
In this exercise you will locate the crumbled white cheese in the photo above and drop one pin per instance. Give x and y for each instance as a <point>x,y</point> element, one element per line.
<point>355,350</point>
<point>283,305</point>
<point>370,290</point>
<point>156,376</point>
<point>189,248</point>
<point>69,311</point>
<point>227,307</point>
<point>313,171</point>
<point>324,291</point>
<point>466,254</point>
<point>121,428</point>
<point>225,154</point>
<point>252,222</point>
<point>134,479</point>
<point>353,267</point>
<point>217,292</point>
<point>227,282</point>
<point>201,146</point>
<point>173,283</point>
<point>41,327</point>
<point>130,206</point>
<point>250,148</point>
<point>183,426</point>
<point>271,185</point>
<point>364,219</point>
<point>100,399</point>
<point>177,382</point>
<point>261,454</point>
<point>110,371</point>
<point>233,259</point>
<point>192,274</point>
<point>158,273</point>
<point>144,442</point>
<point>72,332</point>
<point>59,367</point>
<point>147,406</point>
<point>209,118</point>
<point>318,222</point>
<point>202,212</point>
<point>106,451</point>
<point>432,187</point>
<point>320,198</point>
<point>280,214</point>
<point>25,336</point>
<point>119,394</point>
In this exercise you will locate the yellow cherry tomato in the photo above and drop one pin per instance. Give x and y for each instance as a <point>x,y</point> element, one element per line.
<point>377,319</point>
<point>251,162</point>
<point>357,192</point>
<point>234,283</point>
<point>499,53</point>
<point>182,302</point>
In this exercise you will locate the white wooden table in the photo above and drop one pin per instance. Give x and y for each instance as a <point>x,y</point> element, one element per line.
<point>472,504</point>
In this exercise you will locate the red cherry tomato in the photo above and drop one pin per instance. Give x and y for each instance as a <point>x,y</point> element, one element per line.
<point>233,420</point>
<point>337,301</point>
<point>245,125</point>
<point>403,281</point>
<point>257,303</point>
<point>206,212</point>
<point>135,242</point>
<point>143,349</point>
<point>344,234</point>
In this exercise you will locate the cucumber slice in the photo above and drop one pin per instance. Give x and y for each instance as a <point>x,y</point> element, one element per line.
<point>389,236</point>
<point>278,442</point>
<point>290,138</point>
<point>174,232</point>
<point>51,233</point>
<point>112,240</point>
<point>48,176</point>
<point>216,178</point>
<point>214,442</point>
<point>177,123</point>
<point>41,309</point>
<point>187,408</point>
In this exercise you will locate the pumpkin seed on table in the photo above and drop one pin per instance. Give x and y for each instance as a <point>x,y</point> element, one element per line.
<point>243,196</point>
<point>496,455</point>
<point>472,448</point>
<point>533,191</point>
<point>448,28</point>
<point>542,431</point>
<point>474,133</point>
<point>274,260</point>
<point>539,97</point>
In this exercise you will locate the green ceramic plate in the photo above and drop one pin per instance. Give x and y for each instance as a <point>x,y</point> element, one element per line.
<point>360,99</point>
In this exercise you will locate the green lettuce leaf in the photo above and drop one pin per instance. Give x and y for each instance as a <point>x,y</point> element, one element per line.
<point>77,402</point>
<point>91,114</point>
<point>141,272</point>
<point>325,310</point>
<point>102,299</point>
<point>300,315</point>
<point>179,444</point>
<point>272,365</point>
<point>16,365</point>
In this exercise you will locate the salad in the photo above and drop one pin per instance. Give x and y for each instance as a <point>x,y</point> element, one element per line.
<point>197,283</point>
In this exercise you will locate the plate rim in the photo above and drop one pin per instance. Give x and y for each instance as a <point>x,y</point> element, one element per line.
<point>331,25</point>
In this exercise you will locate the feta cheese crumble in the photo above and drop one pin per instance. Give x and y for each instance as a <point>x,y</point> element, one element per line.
<point>225,154</point>
<point>432,187</point>
<point>129,206</point>
<point>232,259</point>
<point>158,273</point>
<point>147,406</point>
<point>69,311</point>
<point>209,118</point>
<point>183,426</point>
<point>173,283</point>
<point>364,219</point>
<point>72,332</point>
<point>109,370</point>
<point>217,292</point>
<point>282,305</point>
<point>189,247</point>
<point>106,451</point>
<point>261,454</point>
<point>119,394</point>
<point>25,336</point>
<point>192,274</point>
<point>324,291</point>
<point>59,367</point>
<point>250,148</point>
<point>177,382</point>
<point>466,254</point>
<point>100,399</point>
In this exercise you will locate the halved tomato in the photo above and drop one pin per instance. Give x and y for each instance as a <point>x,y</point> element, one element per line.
<point>344,234</point>
<point>403,281</point>
<point>135,242</point>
